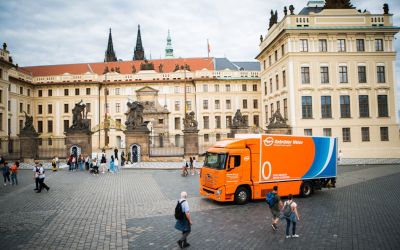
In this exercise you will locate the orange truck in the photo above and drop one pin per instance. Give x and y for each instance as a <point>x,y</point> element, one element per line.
<point>247,167</point>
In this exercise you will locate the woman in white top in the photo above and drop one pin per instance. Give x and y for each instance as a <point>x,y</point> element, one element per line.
<point>292,218</point>
<point>116,165</point>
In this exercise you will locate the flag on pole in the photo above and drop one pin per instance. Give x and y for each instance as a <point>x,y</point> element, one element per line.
<point>208,48</point>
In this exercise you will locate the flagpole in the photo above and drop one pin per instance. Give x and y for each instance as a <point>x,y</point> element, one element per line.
<point>208,48</point>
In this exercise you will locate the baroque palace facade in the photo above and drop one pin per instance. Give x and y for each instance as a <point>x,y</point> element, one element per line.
<point>330,70</point>
<point>215,89</point>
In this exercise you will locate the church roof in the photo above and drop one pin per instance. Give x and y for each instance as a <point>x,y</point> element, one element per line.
<point>125,67</point>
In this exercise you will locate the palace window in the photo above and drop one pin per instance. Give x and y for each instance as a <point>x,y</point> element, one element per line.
<point>228,104</point>
<point>308,132</point>
<point>345,106</point>
<point>363,105</point>
<point>228,121</point>
<point>66,125</point>
<point>206,122</point>
<point>228,88</point>
<point>255,104</point>
<point>117,91</point>
<point>49,126</point>
<point>188,105</point>
<point>255,87</point>
<point>362,74</point>
<point>277,81</point>
<point>40,109</point>
<point>88,108</point>
<point>306,107</point>
<point>40,93</point>
<point>205,88</point>
<point>382,106</point>
<point>365,133</point>
<point>49,92</point>
<point>284,78</point>
<point>266,113</point>
<point>65,107</point>
<point>380,74</point>
<point>87,91</point>
<point>66,92</point>
<point>326,109</point>
<point>270,85</point>
<point>76,91</point>
<point>244,87</point>
<point>217,104</point>
<point>324,74</point>
<point>177,123</point>
<point>216,87</point>
<point>341,45</point>
<point>323,45</point>
<point>205,104</point>
<point>21,90</point>
<point>245,104</point>
<point>343,74</point>
<point>303,45</point>
<point>360,45</point>
<point>378,45</point>
<point>218,122</point>
<point>49,108</point>
<point>384,133</point>
<point>285,109</point>
<point>177,105</point>
<point>327,131</point>
<point>118,107</point>
<point>40,126</point>
<point>21,107</point>
<point>346,135</point>
<point>305,75</point>
<point>256,120</point>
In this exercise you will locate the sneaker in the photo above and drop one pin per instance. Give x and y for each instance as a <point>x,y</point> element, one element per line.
<point>185,244</point>
<point>180,244</point>
<point>295,236</point>
<point>288,236</point>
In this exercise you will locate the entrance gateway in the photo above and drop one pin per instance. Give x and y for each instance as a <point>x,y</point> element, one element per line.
<point>135,153</point>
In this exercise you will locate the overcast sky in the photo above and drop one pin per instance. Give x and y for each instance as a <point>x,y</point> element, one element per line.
<point>41,32</point>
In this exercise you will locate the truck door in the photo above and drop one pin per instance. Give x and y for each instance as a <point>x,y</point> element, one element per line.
<point>233,174</point>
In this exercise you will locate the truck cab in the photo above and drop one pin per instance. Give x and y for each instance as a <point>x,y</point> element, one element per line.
<point>225,175</point>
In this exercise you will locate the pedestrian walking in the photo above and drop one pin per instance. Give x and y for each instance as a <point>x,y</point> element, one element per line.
<point>57,163</point>
<point>115,153</point>
<point>69,162</point>
<point>74,163</point>
<point>275,204</point>
<point>103,163</point>
<point>112,166</point>
<point>122,158</point>
<point>95,167</point>
<point>87,163</point>
<point>54,164</point>
<point>41,180</point>
<point>81,162</point>
<point>185,167</point>
<point>183,220</point>
<point>194,166</point>
<point>14,171</point>
<point>191,166</point>
<point>36,175</point>
<point>291,215</point>
<point>6,173</point>
<point>116,166</point>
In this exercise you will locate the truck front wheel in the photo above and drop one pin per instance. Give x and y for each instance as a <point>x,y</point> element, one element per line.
<point>306,189</point>
<point>242,195</point>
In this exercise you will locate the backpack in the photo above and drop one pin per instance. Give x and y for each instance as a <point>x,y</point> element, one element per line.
<point>179,214</point>
<point>271,199</point>
<point>287,209</point>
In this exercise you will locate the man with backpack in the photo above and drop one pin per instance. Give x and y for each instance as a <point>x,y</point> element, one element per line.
<point>275,204</point>
<point>291,215</point>
<point>183,220</point>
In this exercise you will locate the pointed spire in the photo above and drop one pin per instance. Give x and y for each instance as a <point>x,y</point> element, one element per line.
<point>169,51</point>
<point>139,51</point>
<point>110,54</point>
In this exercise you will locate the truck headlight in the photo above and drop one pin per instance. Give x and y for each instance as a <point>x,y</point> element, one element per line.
<point>219,191</point>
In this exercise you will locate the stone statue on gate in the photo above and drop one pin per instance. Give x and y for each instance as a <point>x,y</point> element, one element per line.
<point>238,120</point>
<point>135,115</point>
<point>189,122</point>
<point>277,121</point>
<point>28,129</point>
<point>79,117</point>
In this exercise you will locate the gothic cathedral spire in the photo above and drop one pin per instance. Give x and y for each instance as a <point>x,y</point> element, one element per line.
<point>110,54</point>
<point>139,51</point>
<point>169,51</point>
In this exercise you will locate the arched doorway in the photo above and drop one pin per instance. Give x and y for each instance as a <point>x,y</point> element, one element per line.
<point>135,153</point>
<point>75,150</point>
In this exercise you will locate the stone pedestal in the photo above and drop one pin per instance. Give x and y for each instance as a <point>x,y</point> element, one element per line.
<point>238,130</point>
<point>80,139</point>
<point>137,144</point>
<point>280,131</point>
<point>29,147</point>
<point>191,142</point>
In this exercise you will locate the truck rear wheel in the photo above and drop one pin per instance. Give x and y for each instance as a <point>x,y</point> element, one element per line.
<point>306,189</point>
<point>242,195</point>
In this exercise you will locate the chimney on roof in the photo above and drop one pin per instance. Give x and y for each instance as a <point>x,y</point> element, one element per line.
<point>139,51</point>
<point>110,54</point>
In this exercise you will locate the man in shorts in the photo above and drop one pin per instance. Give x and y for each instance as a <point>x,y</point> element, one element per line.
<point>276,208</point>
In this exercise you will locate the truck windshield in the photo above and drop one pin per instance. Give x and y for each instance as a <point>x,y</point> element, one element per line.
<point>214,160</point>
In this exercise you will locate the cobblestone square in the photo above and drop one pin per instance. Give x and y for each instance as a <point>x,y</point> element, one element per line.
<point>134,210</point>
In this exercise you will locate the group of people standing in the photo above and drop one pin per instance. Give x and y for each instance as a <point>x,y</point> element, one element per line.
<point>191,165</point>
<point>9,172</point>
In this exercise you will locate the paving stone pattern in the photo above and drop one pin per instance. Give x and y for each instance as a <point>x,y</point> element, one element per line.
<point>134,210</point>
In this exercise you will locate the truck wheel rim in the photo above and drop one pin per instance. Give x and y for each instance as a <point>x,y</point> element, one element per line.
<point>242,195</point>
<point>307,190</point>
